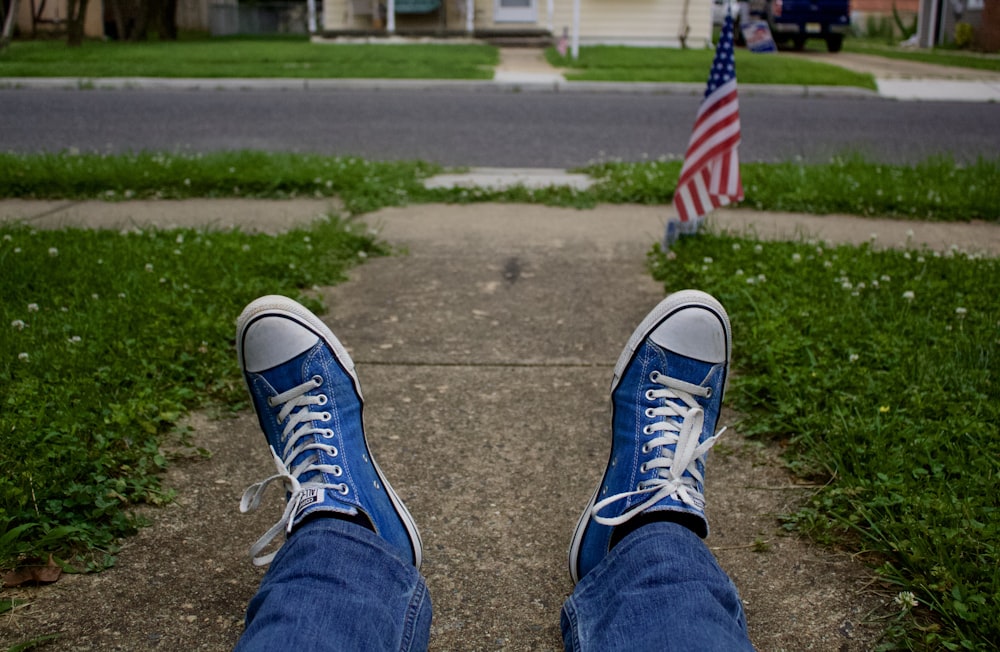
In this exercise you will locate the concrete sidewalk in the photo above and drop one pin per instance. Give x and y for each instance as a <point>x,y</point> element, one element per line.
<point>485,352</point>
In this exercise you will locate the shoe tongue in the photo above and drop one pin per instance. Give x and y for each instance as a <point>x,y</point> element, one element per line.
<point>290,373</point>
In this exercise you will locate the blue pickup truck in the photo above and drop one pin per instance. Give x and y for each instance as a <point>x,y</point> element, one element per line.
<point>794,21</point>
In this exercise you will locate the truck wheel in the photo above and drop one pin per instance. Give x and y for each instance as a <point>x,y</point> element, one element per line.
<point>834,42</point>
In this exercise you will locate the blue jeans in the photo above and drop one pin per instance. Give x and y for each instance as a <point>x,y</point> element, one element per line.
<point>658,589</point>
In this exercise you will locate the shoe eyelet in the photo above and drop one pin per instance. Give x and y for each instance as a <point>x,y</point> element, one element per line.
<point>329,434</point>
<point>645,449</point>
<point>709,392</point>
<point>654,375</point>
<point>337,471</point>
<point>643,468</point>
<point>649,395</point>
<point>326,416</point>
<point>649,413</point>
<point>344,490</point>
<point>647,430</point>
<point>322,400</point>
<point>317,380</point>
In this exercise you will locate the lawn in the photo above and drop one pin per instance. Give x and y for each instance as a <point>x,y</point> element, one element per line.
<point>247,57</point>
<point>939,56</point>
<point>937,189</point>
<point>109,339</point>
<point>627,64</point>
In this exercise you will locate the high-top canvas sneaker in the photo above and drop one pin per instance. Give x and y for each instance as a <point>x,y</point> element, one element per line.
<point>308,401</point>
<point>665,397</point>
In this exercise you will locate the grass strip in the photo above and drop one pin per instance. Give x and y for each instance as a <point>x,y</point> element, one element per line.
<point>630,64</point>
<point>938,56</point>
<point>248,58</point>
<point>880,370</point>
<point>109,338</point>
<point>938,189</point>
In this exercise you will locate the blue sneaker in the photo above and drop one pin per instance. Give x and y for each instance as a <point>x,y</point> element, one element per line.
<point>665,397</point>
<point>308,401</point>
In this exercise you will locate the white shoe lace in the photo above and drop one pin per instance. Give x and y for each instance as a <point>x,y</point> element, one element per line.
<point>300,425</point>
<point>670,480</point>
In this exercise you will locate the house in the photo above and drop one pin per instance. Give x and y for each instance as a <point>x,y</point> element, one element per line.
<point>611,22</point>
<point>41,17</point>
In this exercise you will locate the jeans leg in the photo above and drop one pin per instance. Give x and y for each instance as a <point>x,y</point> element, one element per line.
<point>335,585</point>
<point>660,588</point>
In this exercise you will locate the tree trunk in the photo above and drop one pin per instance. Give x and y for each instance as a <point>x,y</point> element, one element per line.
<point>140,31</point>
<point>168,20</point>
<point>76,18</point>
<point>8,24</point>
<point>120,28</point>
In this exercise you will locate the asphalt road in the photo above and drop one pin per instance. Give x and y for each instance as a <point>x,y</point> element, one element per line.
<point>485,127</point>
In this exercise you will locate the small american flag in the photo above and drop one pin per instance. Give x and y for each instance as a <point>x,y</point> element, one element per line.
<point>710,176</point>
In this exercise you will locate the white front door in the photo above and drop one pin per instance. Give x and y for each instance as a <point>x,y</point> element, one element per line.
<point>515,11</point>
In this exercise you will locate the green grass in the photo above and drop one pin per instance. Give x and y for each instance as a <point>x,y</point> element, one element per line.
<point>937,189</point>
<point>880,370</point>
<point>628,64</point>
<point>247,57</point>
<point>108,339</point>
<point>939,56</point>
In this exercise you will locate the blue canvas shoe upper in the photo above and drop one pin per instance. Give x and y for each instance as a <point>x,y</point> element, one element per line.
<point>308,401</point>
<point>666,396</point>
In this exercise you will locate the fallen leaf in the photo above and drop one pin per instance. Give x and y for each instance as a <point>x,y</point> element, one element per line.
<point>36,574</point>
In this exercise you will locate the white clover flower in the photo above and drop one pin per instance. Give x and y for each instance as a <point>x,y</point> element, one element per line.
<point>885,277</point>
<point>796,257</point>
<point>23,357</point>
<point>853,357</point>
<point>292,265</point>
<point>846,285</point>
<point>736,246</point>
<point>149,267</point>
<point>177,252</point>
<point>861,285</point>
<point>6,237</point>
<point>187,182</point>
<point>739,272</point>
<point>758,248</point>
<point>873,236</point>
<point>306,239</point>
<point>961,312</point>
<point>920,259</point>
<point>95,296</point>
<point>906,600</point>
<point>180,238</point>
<point>751,280</point>
<point>906,255</point>
<point>707,260</point>
<point>18,324</point>
<point>246,247</point>
<point>827,264</point>
<point>908,295</point>
<point>53,251</point>
<point>32,307</point>
<point>163,279</point>
<point>121,295</point>
<point>874,284</point>
<point>76,339</point>
<point>232,170</point>
<point>761,278</point>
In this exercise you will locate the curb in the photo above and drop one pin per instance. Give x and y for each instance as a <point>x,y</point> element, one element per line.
<point>509,85</point>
